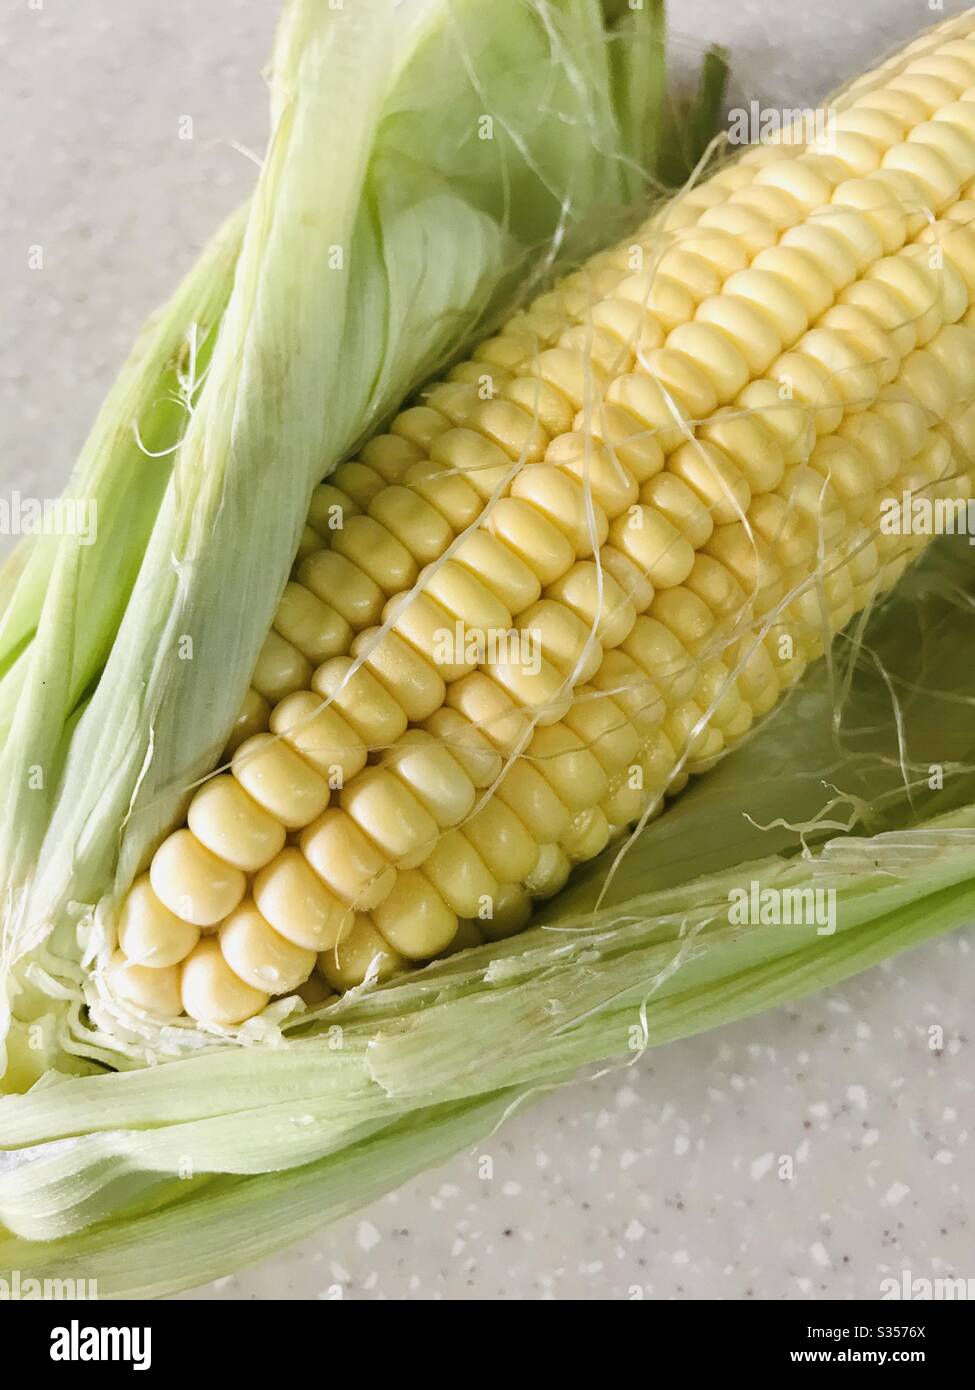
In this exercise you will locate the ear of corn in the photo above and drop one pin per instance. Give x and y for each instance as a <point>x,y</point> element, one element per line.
<point>589,560</point>
<point>207,452</point>
<point>674,485</point>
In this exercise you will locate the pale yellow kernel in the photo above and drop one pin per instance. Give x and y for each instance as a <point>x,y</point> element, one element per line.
<point>564,639</point>
<point>280,781</point>
<point>390,455</point>
<point>420,425</point>
<point>663,656</point>
<point>433,775</point>
<point>433,633</point>
<point>820,241</point>
<point>932,171</point>
<point>558,497</point>
<point>654,544</point>
<point>550,873</point>
<point>924,378</point>
<point>868,339</point>
<point>362,699</point>
<point>511,428</point>
<point>751,329</point>
<point>655,409</point>
<point>855,380</point>
<point>387,811</point>
<point>280,669</point>
<point>469,746</point>
<point>541,545</point>
<point>230,823</point>
<point>321,736</point>
<point>502,840</point>
<point>725,253</point>
<point>594,596</point>
<point>252,719</point>
<point>533,800</point>
<point>533,682</point>
<point>568,371</point>
<point>717,587</point>
<point>633,581</point>
<point>417,525</point>
<point>260,956</point>
<point>495,565</point>
<point>770,296</point>
<point>148,933</point>
<point>633,327</point>
<point>478,460</point>
<point>671,497</point>
<point>799,178</point>
<point>688,730</point>
<point>632,689</point>
<point>315,628</point>
<point>358,481</point>
<point>193,883</point>
<point>377,552</point>
<point>713,351</point>
<point>714,477</point>
<point>889,310</point>
<point>921,289</point>
<point>309,542</point>
<point>489,709</point>
<point>587,835</point>
<point>452,495</point>
<point>328,509</point>
<point>339,582</point>
<point>212,993</point>
<point>155,991</point>
<point>408,676</point>
<point>751,445</point>
<point>414,919</point>
<point>628,438</point>
<point>463,595</point>
<point>511,910</point>
<point>297,904</point>
<point>549,408</point>
<point>597,469</point>
<point>801,273</point>
<point>750,225</point>
<point>603,726</point>
<point>362,956</point>
<point>345,859</point>
<point>802,378</point>
<point>685,615</point>
<point>570,768</point>
<point>459,874</point>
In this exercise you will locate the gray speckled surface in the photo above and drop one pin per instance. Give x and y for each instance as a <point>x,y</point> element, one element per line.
<point>664,1178</point>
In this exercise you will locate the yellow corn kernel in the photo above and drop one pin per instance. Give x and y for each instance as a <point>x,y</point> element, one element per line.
<point>363,955</point>
<point>260,956</point>
<point>148,933</point>
<point>212,993</point>
<point>233,826</point>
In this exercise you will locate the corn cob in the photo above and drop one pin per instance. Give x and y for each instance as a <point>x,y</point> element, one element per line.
<point>663,481</point>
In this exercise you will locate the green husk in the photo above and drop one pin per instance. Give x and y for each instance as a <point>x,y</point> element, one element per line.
<point>150,1179</point>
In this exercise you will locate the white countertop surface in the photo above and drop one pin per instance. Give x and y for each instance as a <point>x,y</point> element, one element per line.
<point>661,1179</point>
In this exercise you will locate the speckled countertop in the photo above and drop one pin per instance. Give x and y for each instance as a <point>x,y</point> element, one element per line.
<point>811,1152</point>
